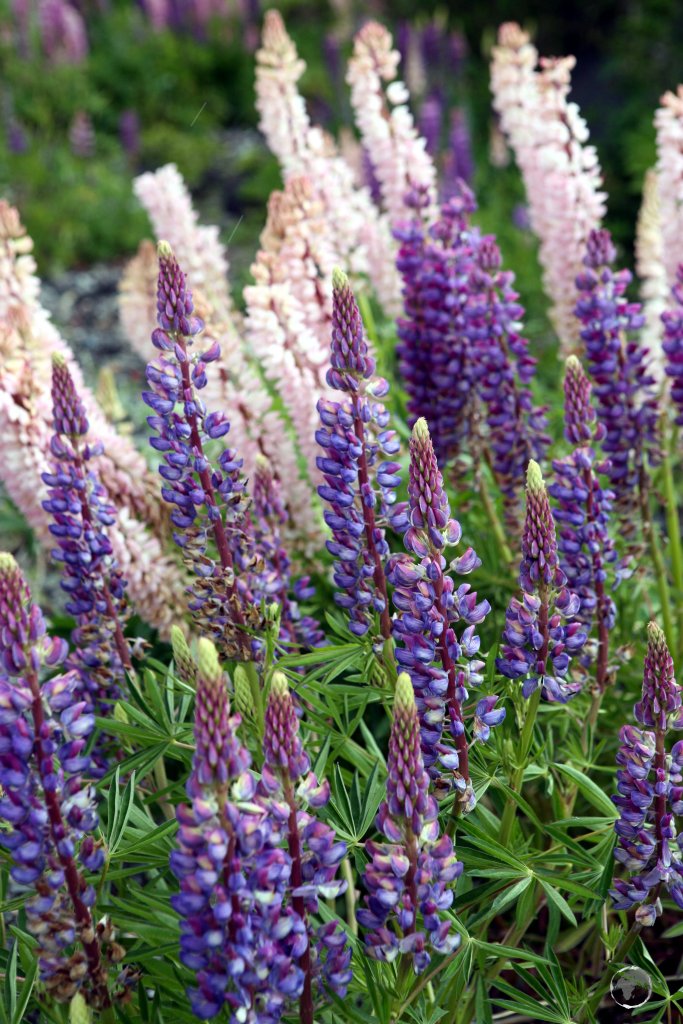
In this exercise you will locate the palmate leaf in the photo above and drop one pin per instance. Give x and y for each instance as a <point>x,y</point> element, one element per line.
<point>352,809</point>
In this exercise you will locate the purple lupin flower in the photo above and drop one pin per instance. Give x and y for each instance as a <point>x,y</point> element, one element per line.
<point>459,163</point>
<point>515,429</point>
<point>582,513</point>
<point>81,513</point>
<point>464,361</point>
<point>208,501</point>
<point>428,604</point>
<point>409,878</point>
<point>47,807</point>
<point>235,933</point>
<point>617,362</point>
<point>358,488</point>
<point>541,631</point>
<point>673,344</point>
<point>433,349</point>
<point>650,791</point>
<point>429,125</point>
<point>270,579</point>
<point>288,788</point>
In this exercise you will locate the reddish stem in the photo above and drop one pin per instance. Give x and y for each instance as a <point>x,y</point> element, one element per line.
<point>601,672</point>
<point>660,798</point>
<point>543,629</point>
<point>74,881</point>
<point>370,526</point>
<point>299,905</point>
<point>411,877</point>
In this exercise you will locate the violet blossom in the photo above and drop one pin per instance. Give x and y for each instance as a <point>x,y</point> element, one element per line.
<point>235,933</point>
<point>673,345</point>
<point>292,793</point>
<point>409,879</point>
<point>47,805</point>
<point>541,631</point>
<point>209,502</point>
<point>81,515</point>
<point>359,474</point>
<point>650,791</point>
<point>429,604</point>
<point>617,362</point>
<point>582,513</point>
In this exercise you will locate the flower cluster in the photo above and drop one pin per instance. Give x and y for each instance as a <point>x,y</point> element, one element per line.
<point>409,878</point>
<point>357,487</point>
<point>561,172</point>
<point>582,513</point>
<point>237,937</point>
<point>81,514</point>
<point>464,361</point>
<point>626,403</point>
<point>650,792</point>
<point>47,805</point>
<point>541,630</point>
<point>271,579</point>
<point>289,788</point>
<point>673,345</point>
<point>207,501</point>
<point>428,604</point>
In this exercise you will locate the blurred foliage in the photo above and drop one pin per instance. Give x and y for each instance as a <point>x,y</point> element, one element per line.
<point>188,87</point>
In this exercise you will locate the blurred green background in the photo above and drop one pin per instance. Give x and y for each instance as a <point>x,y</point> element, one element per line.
<point>84,109</point>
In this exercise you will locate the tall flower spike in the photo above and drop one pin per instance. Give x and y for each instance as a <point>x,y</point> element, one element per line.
<point>47,807</point>
<point>650,792</point>
<point>235,933</point>
<point>673,345</point>
<point>358,488</point>
<point>561,172</point>
<point>409,879</point>
<point>582,514</point>
<point>428,604</point>
<point>288,788</point>
<point>271,579</point>
<point>541,631</point>
<point>617,362</point>
<point>81,515</point>
<point>208,502</point>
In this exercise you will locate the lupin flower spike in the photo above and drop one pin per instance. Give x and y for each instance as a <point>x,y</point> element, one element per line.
<point>288,787</point>
<point>582,514</point>
<point>673,344</point>
<point>208,501</point>
<point>270,579</point>
<point>650,791</point>
<point>428,604</point>
<point>617,362</point>
<point>409,878</point>
<point>541,631</point>
<point>47,807</point>
<point>358,488</point>
<point>81,514</point>
<point>235,934</point>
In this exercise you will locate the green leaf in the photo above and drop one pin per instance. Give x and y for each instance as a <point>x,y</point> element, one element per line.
<point>558,900</point>
<point>592,792</point>
<point>25,994</point>
<point>508,895</point>
<point>9,995</point>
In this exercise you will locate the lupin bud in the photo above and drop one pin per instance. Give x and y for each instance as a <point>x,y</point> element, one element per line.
<point>79,1011</point>
<point>661,699</point>
<point>185,664</point>
<point>282,746</point>
<point>244,700</point>
<point>540,563</point>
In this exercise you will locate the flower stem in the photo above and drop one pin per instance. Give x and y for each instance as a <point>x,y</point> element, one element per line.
<point>350,896</point>
<point>494,521</point>
<point>517,779</point>
<point>306,1015</point>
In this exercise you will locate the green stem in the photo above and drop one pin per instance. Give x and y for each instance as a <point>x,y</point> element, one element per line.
<point>494,521</point>
<point>675,547</point>
<point>349,896</point>
<point>591,1005</point>
<point>256,695</point>
<point>657,559</point>
<point>517,779</point>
